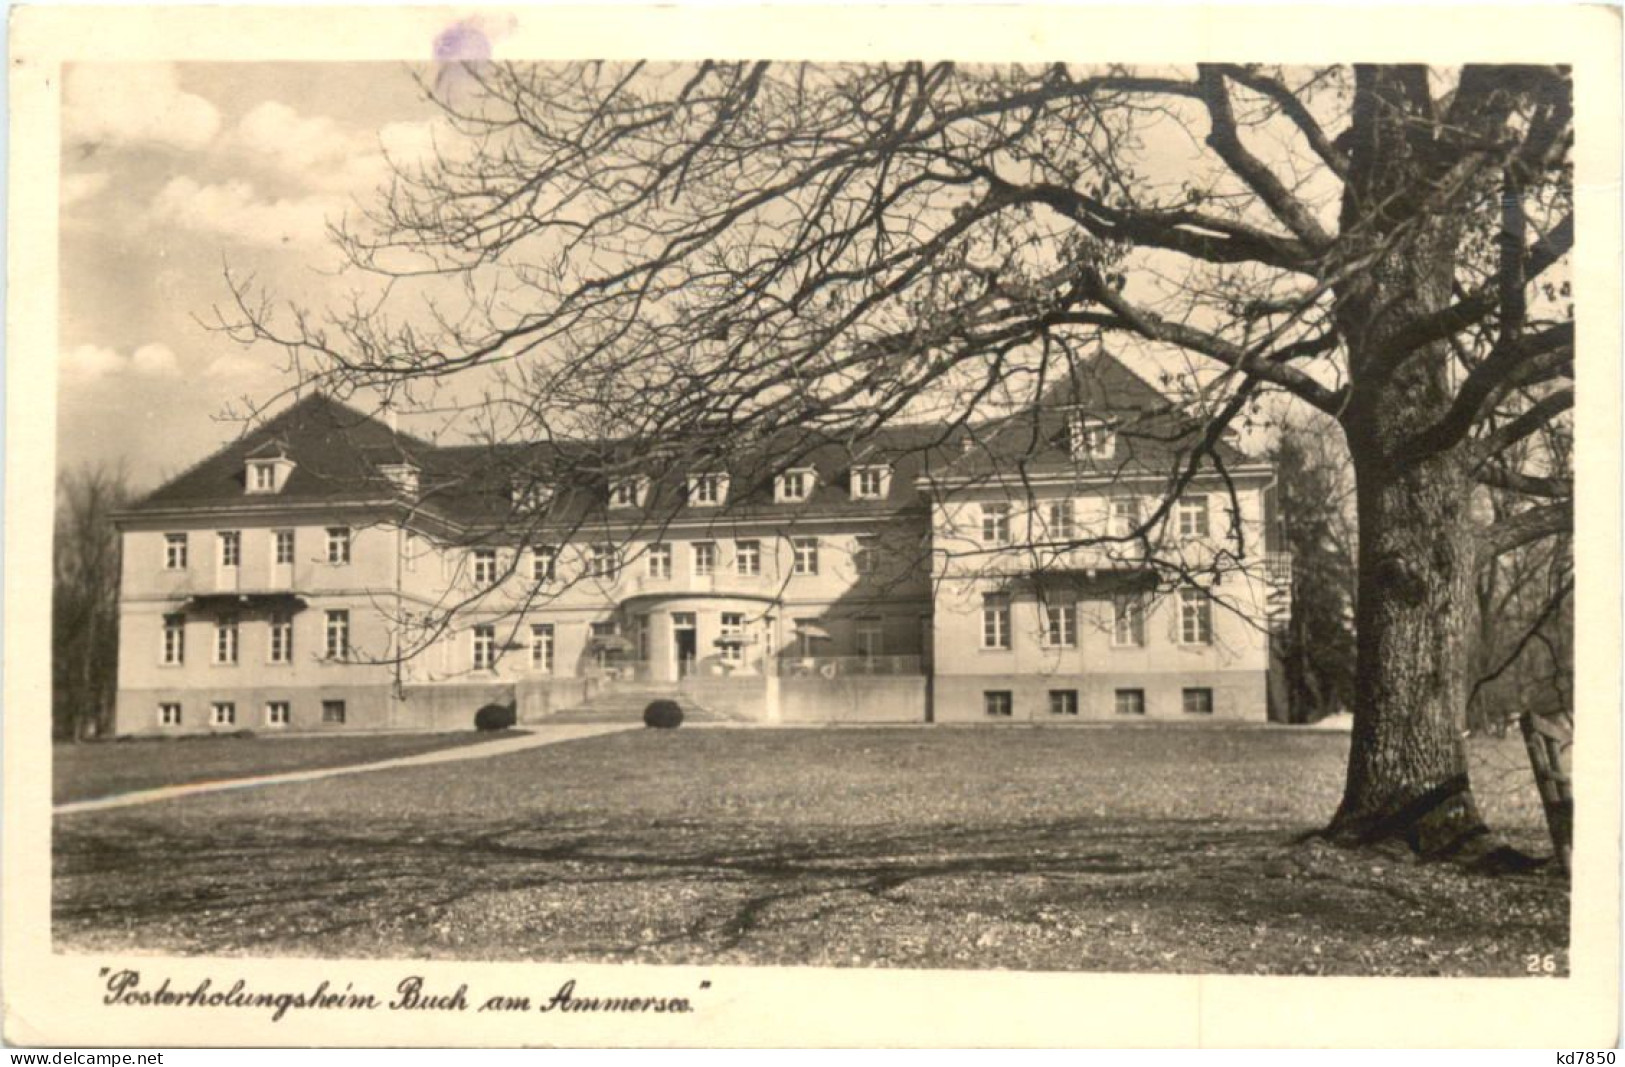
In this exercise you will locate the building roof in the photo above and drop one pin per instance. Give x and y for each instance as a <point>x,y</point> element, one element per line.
<point>339,455</point>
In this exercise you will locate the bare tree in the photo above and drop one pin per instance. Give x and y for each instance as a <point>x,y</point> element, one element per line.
<point>717,252</point>
<point>84,603</point>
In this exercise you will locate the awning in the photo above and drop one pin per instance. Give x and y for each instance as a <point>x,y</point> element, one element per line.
<point>251,601</point>
<point>812,630</point>
<point>735,640</point>
<point>611,643</point>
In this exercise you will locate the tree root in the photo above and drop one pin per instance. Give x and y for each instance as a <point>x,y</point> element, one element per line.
<point>1441,825</point>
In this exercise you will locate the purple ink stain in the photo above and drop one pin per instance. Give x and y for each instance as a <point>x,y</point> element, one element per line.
<point>463,42</point>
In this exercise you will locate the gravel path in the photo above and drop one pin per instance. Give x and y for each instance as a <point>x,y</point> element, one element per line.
<point>536,737</point>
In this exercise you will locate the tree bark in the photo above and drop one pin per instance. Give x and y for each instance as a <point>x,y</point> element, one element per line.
<point>1418,551</point>
<point>1408,776</point>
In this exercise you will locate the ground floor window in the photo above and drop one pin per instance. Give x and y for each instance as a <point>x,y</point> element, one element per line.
<point>1131,702</point>
<point>1060,626</point>
<point>997,703</point>
<point>169,714</point>
<point>485,647</point>
<point>871,637</point>
<point>223,713</point>
<point>277,713</point>
<point>1195,617</point>
<point>995,621</point>
<point>1198,702</point>
<point>1063,701</point>
<point>541,647</point>
<point>333,711</point>
<point>733,633</point>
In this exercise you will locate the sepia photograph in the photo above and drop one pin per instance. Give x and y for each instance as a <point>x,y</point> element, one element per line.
<point>1072,516</point>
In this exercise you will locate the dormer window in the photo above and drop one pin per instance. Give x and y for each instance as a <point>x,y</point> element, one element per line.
<point>871,483</point>
<point>266,469</point>
<point>531,497</point>
<point>1090,437</point>
<point>628,492</point>
<point>707,490</point>
<point>795,486</point>
<point>402,477</point>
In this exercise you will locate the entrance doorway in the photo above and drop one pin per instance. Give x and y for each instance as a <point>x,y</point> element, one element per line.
<point>685,638</point>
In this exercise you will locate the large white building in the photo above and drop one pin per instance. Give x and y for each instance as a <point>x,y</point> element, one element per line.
<point>1071,562</point>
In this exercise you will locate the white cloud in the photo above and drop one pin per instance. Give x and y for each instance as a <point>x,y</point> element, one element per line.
<point>135,103</point>
<point>154,361</point>
<point>77,187</point>
<point>88,363</point>
<point>322,155</point>
<point>235,211</point>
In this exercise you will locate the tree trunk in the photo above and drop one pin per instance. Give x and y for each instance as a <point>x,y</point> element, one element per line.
<point>1407,775</point>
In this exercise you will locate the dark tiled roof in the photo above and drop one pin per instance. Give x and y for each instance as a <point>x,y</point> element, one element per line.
<point>335,449</point>
<point>1149,434</point>
<point>337,452</point>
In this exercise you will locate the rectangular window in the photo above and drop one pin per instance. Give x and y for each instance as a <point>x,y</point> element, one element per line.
<point>806,549</point>
<point>1063,702</point>
<point>705,558</point>
<point>485,567</point>
<point>1195,617</point>
<point>231,548</point>
<point>169,714</point>
<point>624,494</point>
<point>541,647</point>
<point>1130,701</point>
<point>225,639</point>
<point>998,704</point>
<point>995,524</point>
<point>601,561</point>
<point>1090,438</point>
<point>1060,625</point>
<point>660,560</point>
<point>277,713</point>
<point>338,544</point>
<point>748,558</point>
<point>175,552</point>
<point>283,550</point>
<point>706,490</point>
<point>485,648</point>
<point>1198,701</point>
<point>262,477</point>
<point>1128,620</point>
<point>996,621</point>
<point>174,646</point>
<point>1060,518</point>
<point>1125,516</point>
<point>281,638</point>
<point>733,633</point>
<point>807,635</point>
<point>333,711</point>
<point>223,713</point>
<point>794,486</point>
<point>338,635</point>
<point>871,633</point>
<point>542,560</point>
<point>869,483</point>
<point>1193,516</point>
<point>866,553</point>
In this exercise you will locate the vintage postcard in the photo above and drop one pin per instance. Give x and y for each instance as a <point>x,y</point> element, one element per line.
<point>757,526</point>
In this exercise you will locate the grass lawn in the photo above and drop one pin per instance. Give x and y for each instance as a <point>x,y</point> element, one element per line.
<point>1112,849</point>
<point>100,769</point>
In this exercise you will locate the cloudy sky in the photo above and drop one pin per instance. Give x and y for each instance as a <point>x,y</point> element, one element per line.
<point>170,175</point>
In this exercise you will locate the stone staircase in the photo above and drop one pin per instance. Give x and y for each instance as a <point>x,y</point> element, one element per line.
<point>625,705</point>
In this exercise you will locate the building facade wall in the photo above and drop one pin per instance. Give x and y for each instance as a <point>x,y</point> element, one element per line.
<point>906,587</point>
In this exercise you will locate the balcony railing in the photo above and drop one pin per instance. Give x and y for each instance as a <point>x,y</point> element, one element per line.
<point>847,666</point>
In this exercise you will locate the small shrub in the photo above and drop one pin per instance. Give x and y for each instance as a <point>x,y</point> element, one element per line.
<point>495,717</point>
<point>663,715</point>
